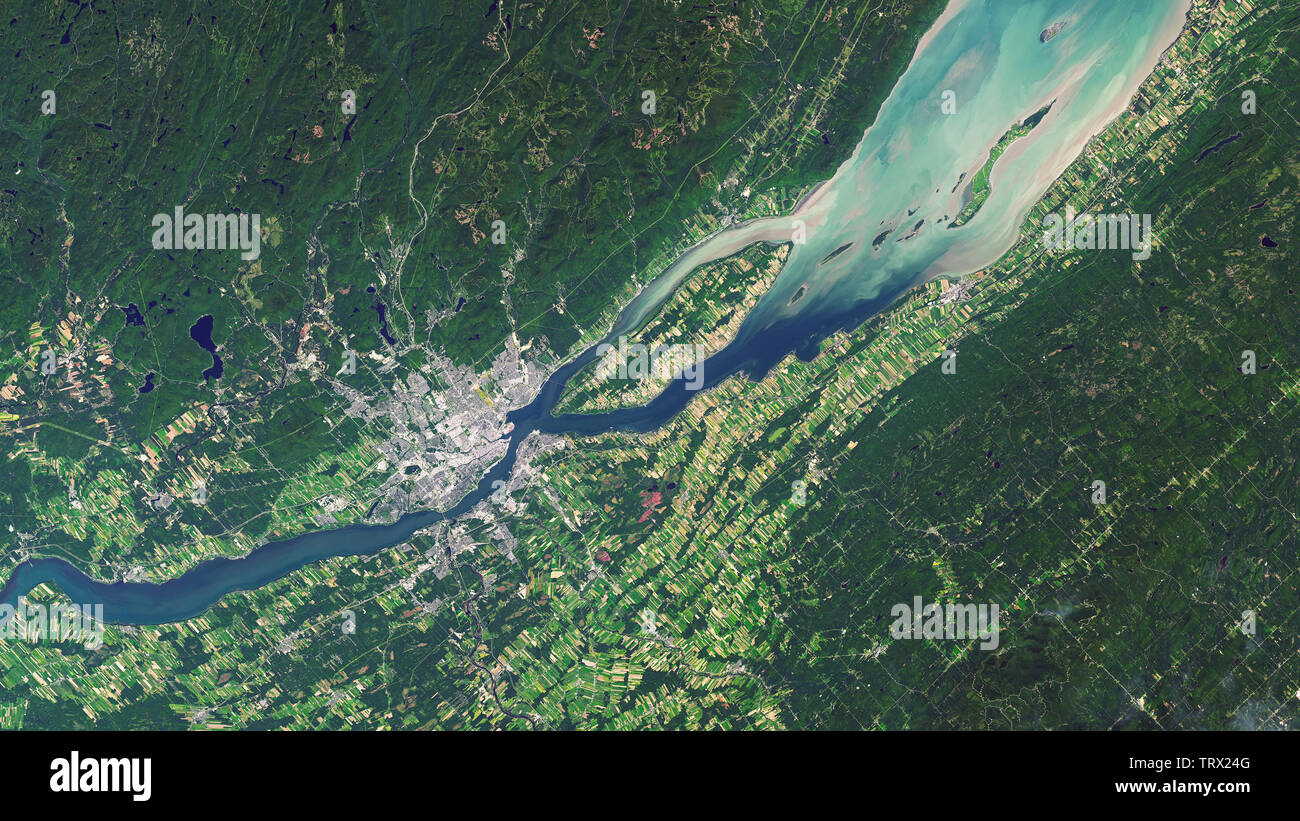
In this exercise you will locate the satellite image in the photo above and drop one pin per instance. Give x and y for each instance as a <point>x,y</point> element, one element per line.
<point>649,365</point>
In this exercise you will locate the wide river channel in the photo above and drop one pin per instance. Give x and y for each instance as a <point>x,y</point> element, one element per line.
<point>906,179</point>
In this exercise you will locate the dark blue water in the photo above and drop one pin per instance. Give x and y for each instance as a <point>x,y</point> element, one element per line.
<point>204,585</point>
<point>911,151</point>
<point>201,332</point>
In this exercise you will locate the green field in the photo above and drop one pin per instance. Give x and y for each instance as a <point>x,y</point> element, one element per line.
<point>736,569</point>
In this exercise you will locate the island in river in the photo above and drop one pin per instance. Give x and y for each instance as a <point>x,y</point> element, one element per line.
<point>979,187</point>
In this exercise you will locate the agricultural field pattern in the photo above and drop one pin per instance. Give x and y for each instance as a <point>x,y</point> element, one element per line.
<point>650,364</point>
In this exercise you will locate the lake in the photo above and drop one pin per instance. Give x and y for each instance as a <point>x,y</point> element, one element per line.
<point>907,176</point>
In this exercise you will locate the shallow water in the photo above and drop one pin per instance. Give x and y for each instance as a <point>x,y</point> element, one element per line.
<point>905,169</point>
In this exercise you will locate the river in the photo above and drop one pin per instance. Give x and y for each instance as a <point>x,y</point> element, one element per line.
<point>907,171</point>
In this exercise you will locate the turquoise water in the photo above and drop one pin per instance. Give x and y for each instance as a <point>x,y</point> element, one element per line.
<point>907,168</point>
<point>908,164</point>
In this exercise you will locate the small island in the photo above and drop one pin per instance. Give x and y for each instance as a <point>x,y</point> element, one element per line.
<point>980,184</point>
<point>1051,31</point>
